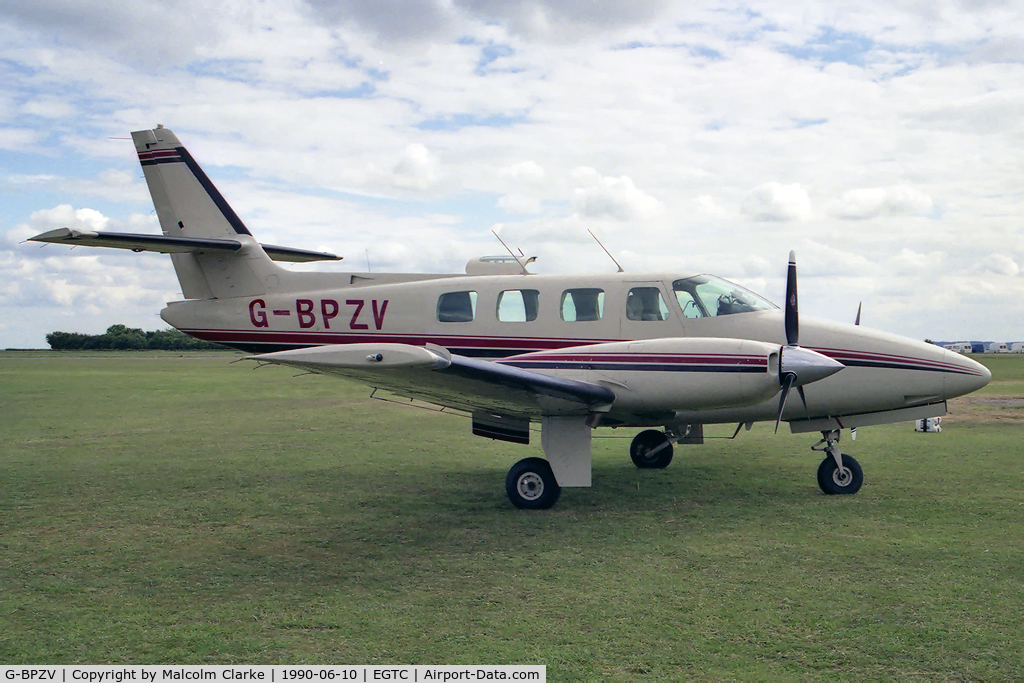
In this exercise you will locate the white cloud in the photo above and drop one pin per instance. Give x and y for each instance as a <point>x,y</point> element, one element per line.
<point>19,139</point>
<point>616,198</point>
<point>900,200</point>
<point>519,203</point>
<point>910,262</point>
<point>409,128</point>
<point>1000,264</point>
<point>777,202</point>
<point>417,168</point>
<point>62,216</point>
<point>527,172</point>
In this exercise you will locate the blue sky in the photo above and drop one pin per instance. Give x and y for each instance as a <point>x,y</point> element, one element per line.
<point>881,143</point>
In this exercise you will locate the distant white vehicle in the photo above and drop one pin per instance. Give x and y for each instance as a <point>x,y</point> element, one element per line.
<point>1017,347</point>
<point>959,347</point>
<point>997,347</point>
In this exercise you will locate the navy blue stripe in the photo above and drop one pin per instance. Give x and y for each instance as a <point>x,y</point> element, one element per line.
<point>161,160</point>
<point>900,366</point>
<point>215,194</point>
<point>639,367</point>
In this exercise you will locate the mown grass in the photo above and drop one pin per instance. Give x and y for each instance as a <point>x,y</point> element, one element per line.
<point>184,509</point>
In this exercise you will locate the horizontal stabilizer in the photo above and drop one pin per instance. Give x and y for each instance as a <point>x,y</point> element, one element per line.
<point>171,245</point>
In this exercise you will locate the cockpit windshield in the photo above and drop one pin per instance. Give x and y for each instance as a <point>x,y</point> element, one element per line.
<point>703,296</point>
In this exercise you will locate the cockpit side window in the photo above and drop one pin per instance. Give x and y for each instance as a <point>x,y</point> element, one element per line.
<point>579,305</point>
<point>517,305</point>
<point>456,307</point>
<point>705,296</point>
<point>646,303</point>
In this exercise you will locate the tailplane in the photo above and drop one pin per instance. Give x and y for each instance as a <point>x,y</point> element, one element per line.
<point>214,254</point>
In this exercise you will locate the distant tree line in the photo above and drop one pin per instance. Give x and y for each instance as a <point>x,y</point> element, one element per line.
<point>119,337</point>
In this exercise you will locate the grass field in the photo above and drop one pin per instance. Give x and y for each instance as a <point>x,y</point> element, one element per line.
<point>160,508</point>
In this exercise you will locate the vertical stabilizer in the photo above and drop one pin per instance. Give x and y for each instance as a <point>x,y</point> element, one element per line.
<point>188,205</point>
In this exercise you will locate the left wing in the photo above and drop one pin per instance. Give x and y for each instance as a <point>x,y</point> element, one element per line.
<point>437,376</point>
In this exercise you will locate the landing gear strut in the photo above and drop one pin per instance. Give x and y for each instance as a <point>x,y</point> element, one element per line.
<point>838,473</point>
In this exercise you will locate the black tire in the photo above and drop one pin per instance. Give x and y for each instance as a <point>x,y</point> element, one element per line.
<point>645,442</point>
<point>531,484</point>
<point>831,482</point>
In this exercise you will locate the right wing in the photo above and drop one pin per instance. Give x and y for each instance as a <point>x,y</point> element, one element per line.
<point>437,376</point>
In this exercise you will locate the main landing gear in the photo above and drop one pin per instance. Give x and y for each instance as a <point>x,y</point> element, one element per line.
<point>838,473</point>
<point>531,484</point>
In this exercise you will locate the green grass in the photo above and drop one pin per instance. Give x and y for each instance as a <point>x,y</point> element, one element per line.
<point>184,509</point>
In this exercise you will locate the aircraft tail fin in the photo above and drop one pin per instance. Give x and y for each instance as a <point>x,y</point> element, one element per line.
<point>214,254</point>
<point>188,205</point>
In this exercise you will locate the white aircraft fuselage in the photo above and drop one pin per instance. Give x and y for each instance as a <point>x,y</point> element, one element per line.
<point>883,372</point>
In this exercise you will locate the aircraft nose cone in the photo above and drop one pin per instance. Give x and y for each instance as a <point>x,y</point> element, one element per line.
<point>965,375</point>
<point>808,366</point>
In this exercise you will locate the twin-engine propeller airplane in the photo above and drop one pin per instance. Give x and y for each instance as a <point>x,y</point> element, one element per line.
<point>668,352</point>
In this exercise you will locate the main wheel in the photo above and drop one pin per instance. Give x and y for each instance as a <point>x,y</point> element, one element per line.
<point>531,484</point>
<point>642,450</point>
<point>833,481</point>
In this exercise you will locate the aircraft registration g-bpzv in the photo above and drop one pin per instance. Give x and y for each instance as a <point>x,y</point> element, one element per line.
<point>574,353</point>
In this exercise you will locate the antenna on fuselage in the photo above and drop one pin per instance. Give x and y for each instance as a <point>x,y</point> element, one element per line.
<point>521,265</point>
<point>606,251</point>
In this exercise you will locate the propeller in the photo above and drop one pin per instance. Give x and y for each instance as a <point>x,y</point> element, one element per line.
<point>798,366</point>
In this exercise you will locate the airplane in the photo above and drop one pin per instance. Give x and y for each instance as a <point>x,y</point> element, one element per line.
<point>669,353</point>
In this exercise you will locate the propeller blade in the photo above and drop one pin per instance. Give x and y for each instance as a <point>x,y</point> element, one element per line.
<point>787,384</point>
<point>792,317</point>
<point>800,390</point>
<point>857,321</point>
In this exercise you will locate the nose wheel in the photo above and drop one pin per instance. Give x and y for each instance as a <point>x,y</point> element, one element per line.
<point>838,473</point>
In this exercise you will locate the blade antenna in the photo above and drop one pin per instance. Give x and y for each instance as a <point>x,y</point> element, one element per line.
<point>857,321</point>
<point>510,252</point>
<point>606,250</point>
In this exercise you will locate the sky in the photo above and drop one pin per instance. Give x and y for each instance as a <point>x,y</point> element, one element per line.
<point>880,142</point>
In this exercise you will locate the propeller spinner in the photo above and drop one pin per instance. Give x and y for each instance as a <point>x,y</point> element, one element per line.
<point>798,366</point>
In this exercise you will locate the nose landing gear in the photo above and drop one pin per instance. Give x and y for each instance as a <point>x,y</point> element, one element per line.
<point>838,473</point>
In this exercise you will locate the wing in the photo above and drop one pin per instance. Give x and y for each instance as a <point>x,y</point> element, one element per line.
<point>435,375</point>
<point>171,245</point>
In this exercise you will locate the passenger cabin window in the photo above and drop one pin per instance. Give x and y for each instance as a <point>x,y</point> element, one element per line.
<point>646,303</point>
<point>517,305</point>
<point>579,305</point>
<point>456,307</point>
<point>704,296</point>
